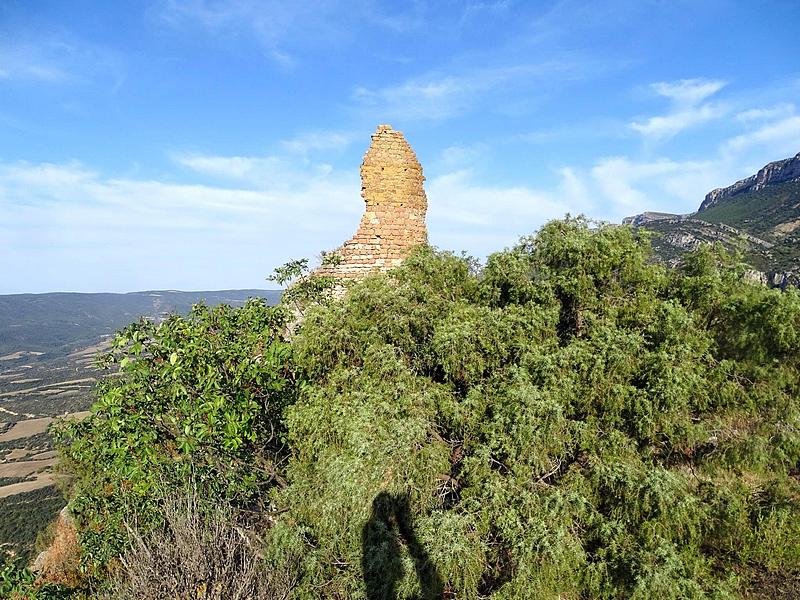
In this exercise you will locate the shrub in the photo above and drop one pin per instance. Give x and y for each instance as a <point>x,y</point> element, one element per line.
<point>201,551</point>
<point>571,420</point>
<point>197,399</point>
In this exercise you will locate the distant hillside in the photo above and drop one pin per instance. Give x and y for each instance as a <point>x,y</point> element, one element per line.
<point>47,347</point>
<point>61,322</point>
<point>49,339</point>
<point>759,214</point>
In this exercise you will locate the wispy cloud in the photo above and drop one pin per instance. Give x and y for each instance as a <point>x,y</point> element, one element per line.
<point>57,58</point>
<point>269,22</point>
<point>319,140</point>
<point>626,185</point>
<point>276,173</point>
<point>59,218</point>
<point>688,107</point>
<point>688,92</point>
<point>31,63</point>
<point>436,96</point>
<point>759,115</point>
<point>280,27</point>
<point>781,136</point>
<point>248,215</point>
<point>629,186</point>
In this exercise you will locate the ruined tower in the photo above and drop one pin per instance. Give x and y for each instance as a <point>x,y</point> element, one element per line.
<point>394,218</point>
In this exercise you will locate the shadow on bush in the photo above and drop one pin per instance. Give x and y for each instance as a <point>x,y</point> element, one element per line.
<point>387,532</point>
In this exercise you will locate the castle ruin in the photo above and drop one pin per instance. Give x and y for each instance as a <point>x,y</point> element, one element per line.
<point>394,218</point>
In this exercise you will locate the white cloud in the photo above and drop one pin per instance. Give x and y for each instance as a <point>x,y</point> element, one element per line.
<point>627,185</point>
<point>620,186</point>
<point>782,137</point>
<point>616,178</point>
<point>435,96</point>
<point>758,115</point>
<point>686,111</point>
<point>688,92</point>
<point>467,214</point>
<point>669,125</point>
<point>62,224</point>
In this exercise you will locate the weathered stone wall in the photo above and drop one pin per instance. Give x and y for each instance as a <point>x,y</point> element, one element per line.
<point>394,219</point>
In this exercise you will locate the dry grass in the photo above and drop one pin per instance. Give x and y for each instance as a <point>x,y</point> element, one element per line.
<point>199,554</point>
<point>26,428</point>
<point>23,468</point>
<point>42,480</point>
<point>59,562</point>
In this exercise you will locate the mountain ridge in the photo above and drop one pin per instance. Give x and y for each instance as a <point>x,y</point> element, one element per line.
<point>758,215</point>
<point>778,171</point>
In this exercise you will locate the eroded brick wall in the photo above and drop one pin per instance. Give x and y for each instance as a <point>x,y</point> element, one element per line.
<point>394,218</point>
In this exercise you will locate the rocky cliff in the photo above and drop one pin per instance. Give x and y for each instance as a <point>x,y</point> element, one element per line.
<point>775,172</point>
<point>759,215</point>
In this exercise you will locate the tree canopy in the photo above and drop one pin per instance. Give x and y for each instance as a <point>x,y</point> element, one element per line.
<point>568,420</point>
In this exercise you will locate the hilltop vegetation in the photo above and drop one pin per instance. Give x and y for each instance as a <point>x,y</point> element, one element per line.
<point>48,343</point>
<point>771,214</point>
<point>758,216</point>
<point>569,420</point>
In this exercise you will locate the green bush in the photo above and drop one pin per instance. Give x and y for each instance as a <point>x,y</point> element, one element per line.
<point>570,420</point>
<point>198,399</point>
<point>17,582</point>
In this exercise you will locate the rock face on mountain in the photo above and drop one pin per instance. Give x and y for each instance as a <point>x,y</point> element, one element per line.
<point>775,172</point>
<point>759,216</point>
<point>394,218</point>
<point>649,217</point>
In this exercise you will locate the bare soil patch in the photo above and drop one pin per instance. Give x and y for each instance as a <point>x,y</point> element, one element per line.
<point>16,453</point>
<point>44,455</point>
<point>29,427</point>
<point>42,480</point>
<point>41,389</point>
<point>20,354</point>
<point>26,428</point>
<point>787,228</point>
<point>23,468</point>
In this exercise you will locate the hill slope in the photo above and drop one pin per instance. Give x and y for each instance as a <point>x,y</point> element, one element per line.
<point>568,421</point>
<point>759,214</point>
<point>47,347</point>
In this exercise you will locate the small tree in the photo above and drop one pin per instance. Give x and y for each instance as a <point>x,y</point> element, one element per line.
<point>196,399</point>
<point>305,287</point>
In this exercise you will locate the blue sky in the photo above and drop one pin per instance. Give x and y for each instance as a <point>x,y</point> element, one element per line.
<point>198,144</point>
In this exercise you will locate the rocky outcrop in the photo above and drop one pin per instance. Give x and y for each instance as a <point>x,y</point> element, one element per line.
<point>394,216</point>
<point>649,217</point>
<point>779,171</point>
<point>59,563</point>
<point>784,279</point>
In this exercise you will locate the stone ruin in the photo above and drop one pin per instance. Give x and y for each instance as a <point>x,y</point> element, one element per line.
<point>394,218</point>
